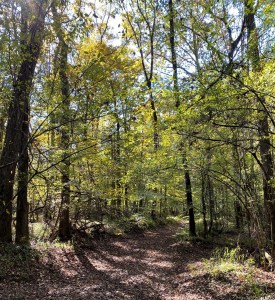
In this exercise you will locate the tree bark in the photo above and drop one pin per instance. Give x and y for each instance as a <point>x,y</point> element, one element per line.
<point>64,230</point>
<point>203,203</point>
<point>211,202</point>
<point>31,41</point>
<point>188,187</point>
<point>265,144</point>
<point>64,223</point>
<point>192,226</point>
<point>173,52</point>
<point>22,210</point>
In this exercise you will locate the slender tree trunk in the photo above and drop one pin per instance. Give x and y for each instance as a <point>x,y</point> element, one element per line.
<point>173,52</point>
<point>2,130</point>
<point>116,182</point>
<point>117,162</point>
<point>31,41</point>
<point>192,226</point>
<point>237,204</point>
<point>22,220</point>
<point>211,202</point>
<point>203,203</point>
<point>238,215</point>
<point>267,215</point>
<point>188,187</point>
<point>64,222</point>
<point>209,188</point>
<point>265,145</point>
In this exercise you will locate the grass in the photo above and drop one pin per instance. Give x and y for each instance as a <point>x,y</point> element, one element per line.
<point>233,270</point>
<point>229,237</point>
<point>230,265</point>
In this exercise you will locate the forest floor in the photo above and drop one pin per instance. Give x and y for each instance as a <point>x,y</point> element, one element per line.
<point>149,265</point>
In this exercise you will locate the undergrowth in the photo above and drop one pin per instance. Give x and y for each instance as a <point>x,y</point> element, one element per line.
<point>236,270</point>
<point>138,223</point>
<point>229,265</point>
<point>17,261</point>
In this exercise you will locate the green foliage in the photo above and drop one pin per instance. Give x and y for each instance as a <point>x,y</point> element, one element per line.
<point>228,265</point>
<point>116,87</point>
<point>39,231</point>
<point>135,223</point>
<point>184,237</point>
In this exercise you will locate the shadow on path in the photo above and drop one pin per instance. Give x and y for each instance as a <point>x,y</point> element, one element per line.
<point>137,266</point>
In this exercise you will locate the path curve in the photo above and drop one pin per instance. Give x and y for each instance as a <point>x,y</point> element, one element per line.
<point>151,265</point>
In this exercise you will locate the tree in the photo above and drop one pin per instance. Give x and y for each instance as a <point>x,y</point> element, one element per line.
<point>267,163</point>
<point>141,23</point>
<point>31,39</point>
<point>188,188</point>
<point>64,223</point>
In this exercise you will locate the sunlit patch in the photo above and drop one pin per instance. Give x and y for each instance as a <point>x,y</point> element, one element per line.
<point>157,254</point>
<point>135,279</point>
<point>69,272</point>
<point>83,289</point>
<point>121,245</point>
<point>100,265</point>
<point>159,264</point>
<point>185,296</point>
<point>150,274</point>
<point>123,258</point>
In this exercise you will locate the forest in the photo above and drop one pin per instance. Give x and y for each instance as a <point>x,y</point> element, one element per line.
<point>118,116</point>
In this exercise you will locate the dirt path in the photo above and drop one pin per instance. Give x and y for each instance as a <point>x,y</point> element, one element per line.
<point>141,266</point>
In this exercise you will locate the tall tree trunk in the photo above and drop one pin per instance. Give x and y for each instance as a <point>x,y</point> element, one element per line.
<point>188,187</point>
<point>118,167</point>
<point>265,145</point>
<point>22,211</point>
<point>173,52</point>
<point>238,213</point>
<point>203,203</point>
<point>31,41</point>
<point>2,129</point>
<point>64,222</point>
<point>22,226</point>
<point>116,181</point>
<point>192,226</point>
<point>238,178</point>
<point>211,202</point>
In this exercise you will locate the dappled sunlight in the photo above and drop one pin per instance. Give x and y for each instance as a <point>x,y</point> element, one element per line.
<point>141,268</point>
<point>137,150</point>
<point>67,271</point>
<point>122,245</point>
<point>156,268</point>
<point>189,296</point>
<point>160,264</point>
<point>124,258</point>
<point>135,279</point>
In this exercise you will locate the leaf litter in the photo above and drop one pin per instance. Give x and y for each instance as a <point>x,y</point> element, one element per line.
<point>149,265</point>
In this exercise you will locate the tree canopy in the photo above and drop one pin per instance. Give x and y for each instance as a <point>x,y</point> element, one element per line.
<point>116,110</point>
